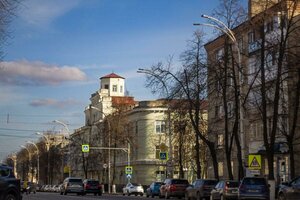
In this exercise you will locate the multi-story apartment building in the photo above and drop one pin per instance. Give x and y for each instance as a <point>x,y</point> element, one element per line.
<point>260,41</point>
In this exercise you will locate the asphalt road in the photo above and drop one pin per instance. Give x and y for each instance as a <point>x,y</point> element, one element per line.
<point>57,196</point>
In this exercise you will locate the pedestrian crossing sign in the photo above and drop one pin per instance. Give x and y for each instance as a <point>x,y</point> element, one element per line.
<point>163,155</point>
<point>254,161</point>
<point>128,170</point>
<point>85,148</point>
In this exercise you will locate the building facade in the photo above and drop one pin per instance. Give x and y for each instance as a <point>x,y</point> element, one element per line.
<point>259,41</point>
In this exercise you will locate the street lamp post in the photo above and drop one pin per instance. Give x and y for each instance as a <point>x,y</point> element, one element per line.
<point>69,152</point>
<point>226,30</point>
<point>48,151</point>
<point>109,129</point>
<point>29,158</point>
<point>146,71</point>
<point>38,160</point>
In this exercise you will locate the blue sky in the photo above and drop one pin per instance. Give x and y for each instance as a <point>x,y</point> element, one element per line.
<point>59,49</point>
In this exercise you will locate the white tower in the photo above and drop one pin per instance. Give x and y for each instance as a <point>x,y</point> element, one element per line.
<point>114,83</point>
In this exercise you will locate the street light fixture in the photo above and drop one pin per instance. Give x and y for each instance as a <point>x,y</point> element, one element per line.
<point>69,152</point>
<point>226,30</point>
<point>38,160</point>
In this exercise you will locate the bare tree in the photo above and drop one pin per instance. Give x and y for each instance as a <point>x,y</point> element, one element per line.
<point>273,60</point>
<point>188,84</point>
<point>224,76</point>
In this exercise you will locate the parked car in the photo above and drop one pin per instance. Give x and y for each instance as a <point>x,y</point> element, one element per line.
<point>225,190</point>
<point>254,188</point>
<point>153,189</point>
<point>72,185</point>
<point>290,190</point>
<point>132,188</point>
<point>92,186</point>
<point>31,187</point>
<point>10,187</point>
<point>200,189</point>
<point>173,188</point>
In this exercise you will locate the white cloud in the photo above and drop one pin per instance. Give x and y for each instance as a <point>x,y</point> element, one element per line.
<point>38,73</point>
<point>53,103</point>
<point>37,12</point>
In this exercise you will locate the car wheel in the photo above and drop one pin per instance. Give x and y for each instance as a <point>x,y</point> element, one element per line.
<point>136,194</point>
<point>160,196</point>
<point>152,195</point>
<point>128,193</point>
<point>281,196</point>
<point>167,196</point>
<point>141,194</point>
<point>65,193</point>
<point>61,193</point>
<point>10,197</point>
<point>222,197</point>
<point>198,197</point>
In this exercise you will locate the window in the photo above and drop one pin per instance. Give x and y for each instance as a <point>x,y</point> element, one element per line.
<point>216,111</point>
<point>220,140</point>
<point>106,86</point>
<point>240,44</point>
<point>115,88</point>
<point>269,26</point>
<point>220,168</point>
<point>219,54</point>
<point>160,126</point>
<point>121,88</point>
<point>136,127</point>
<point>251,37</point>
<point>230,108</point>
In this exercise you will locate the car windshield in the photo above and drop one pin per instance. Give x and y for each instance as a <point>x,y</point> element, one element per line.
<point>135,184</point>
<point>210,182</point>
<point>158,183</point>
<point>180,181</point>
<point>75,180</point>
<point>254,181</point>
<point>4,172</point>
<point>232,184</point>
<point>93,182</point>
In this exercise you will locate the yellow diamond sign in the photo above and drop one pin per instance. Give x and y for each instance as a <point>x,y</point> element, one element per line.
<point>254,162</point>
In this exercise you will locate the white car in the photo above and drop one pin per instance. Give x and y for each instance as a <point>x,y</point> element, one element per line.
<point>131,188</point>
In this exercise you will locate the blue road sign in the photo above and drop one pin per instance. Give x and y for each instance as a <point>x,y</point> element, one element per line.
<point>163,155</point>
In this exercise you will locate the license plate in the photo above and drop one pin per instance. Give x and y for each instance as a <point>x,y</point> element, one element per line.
<point>253,190</point>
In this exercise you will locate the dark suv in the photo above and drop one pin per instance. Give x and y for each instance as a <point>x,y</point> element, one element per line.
<point>92,186</point>
<point>10,187</point>
<point>173,188</point>
<point>254,188</point>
